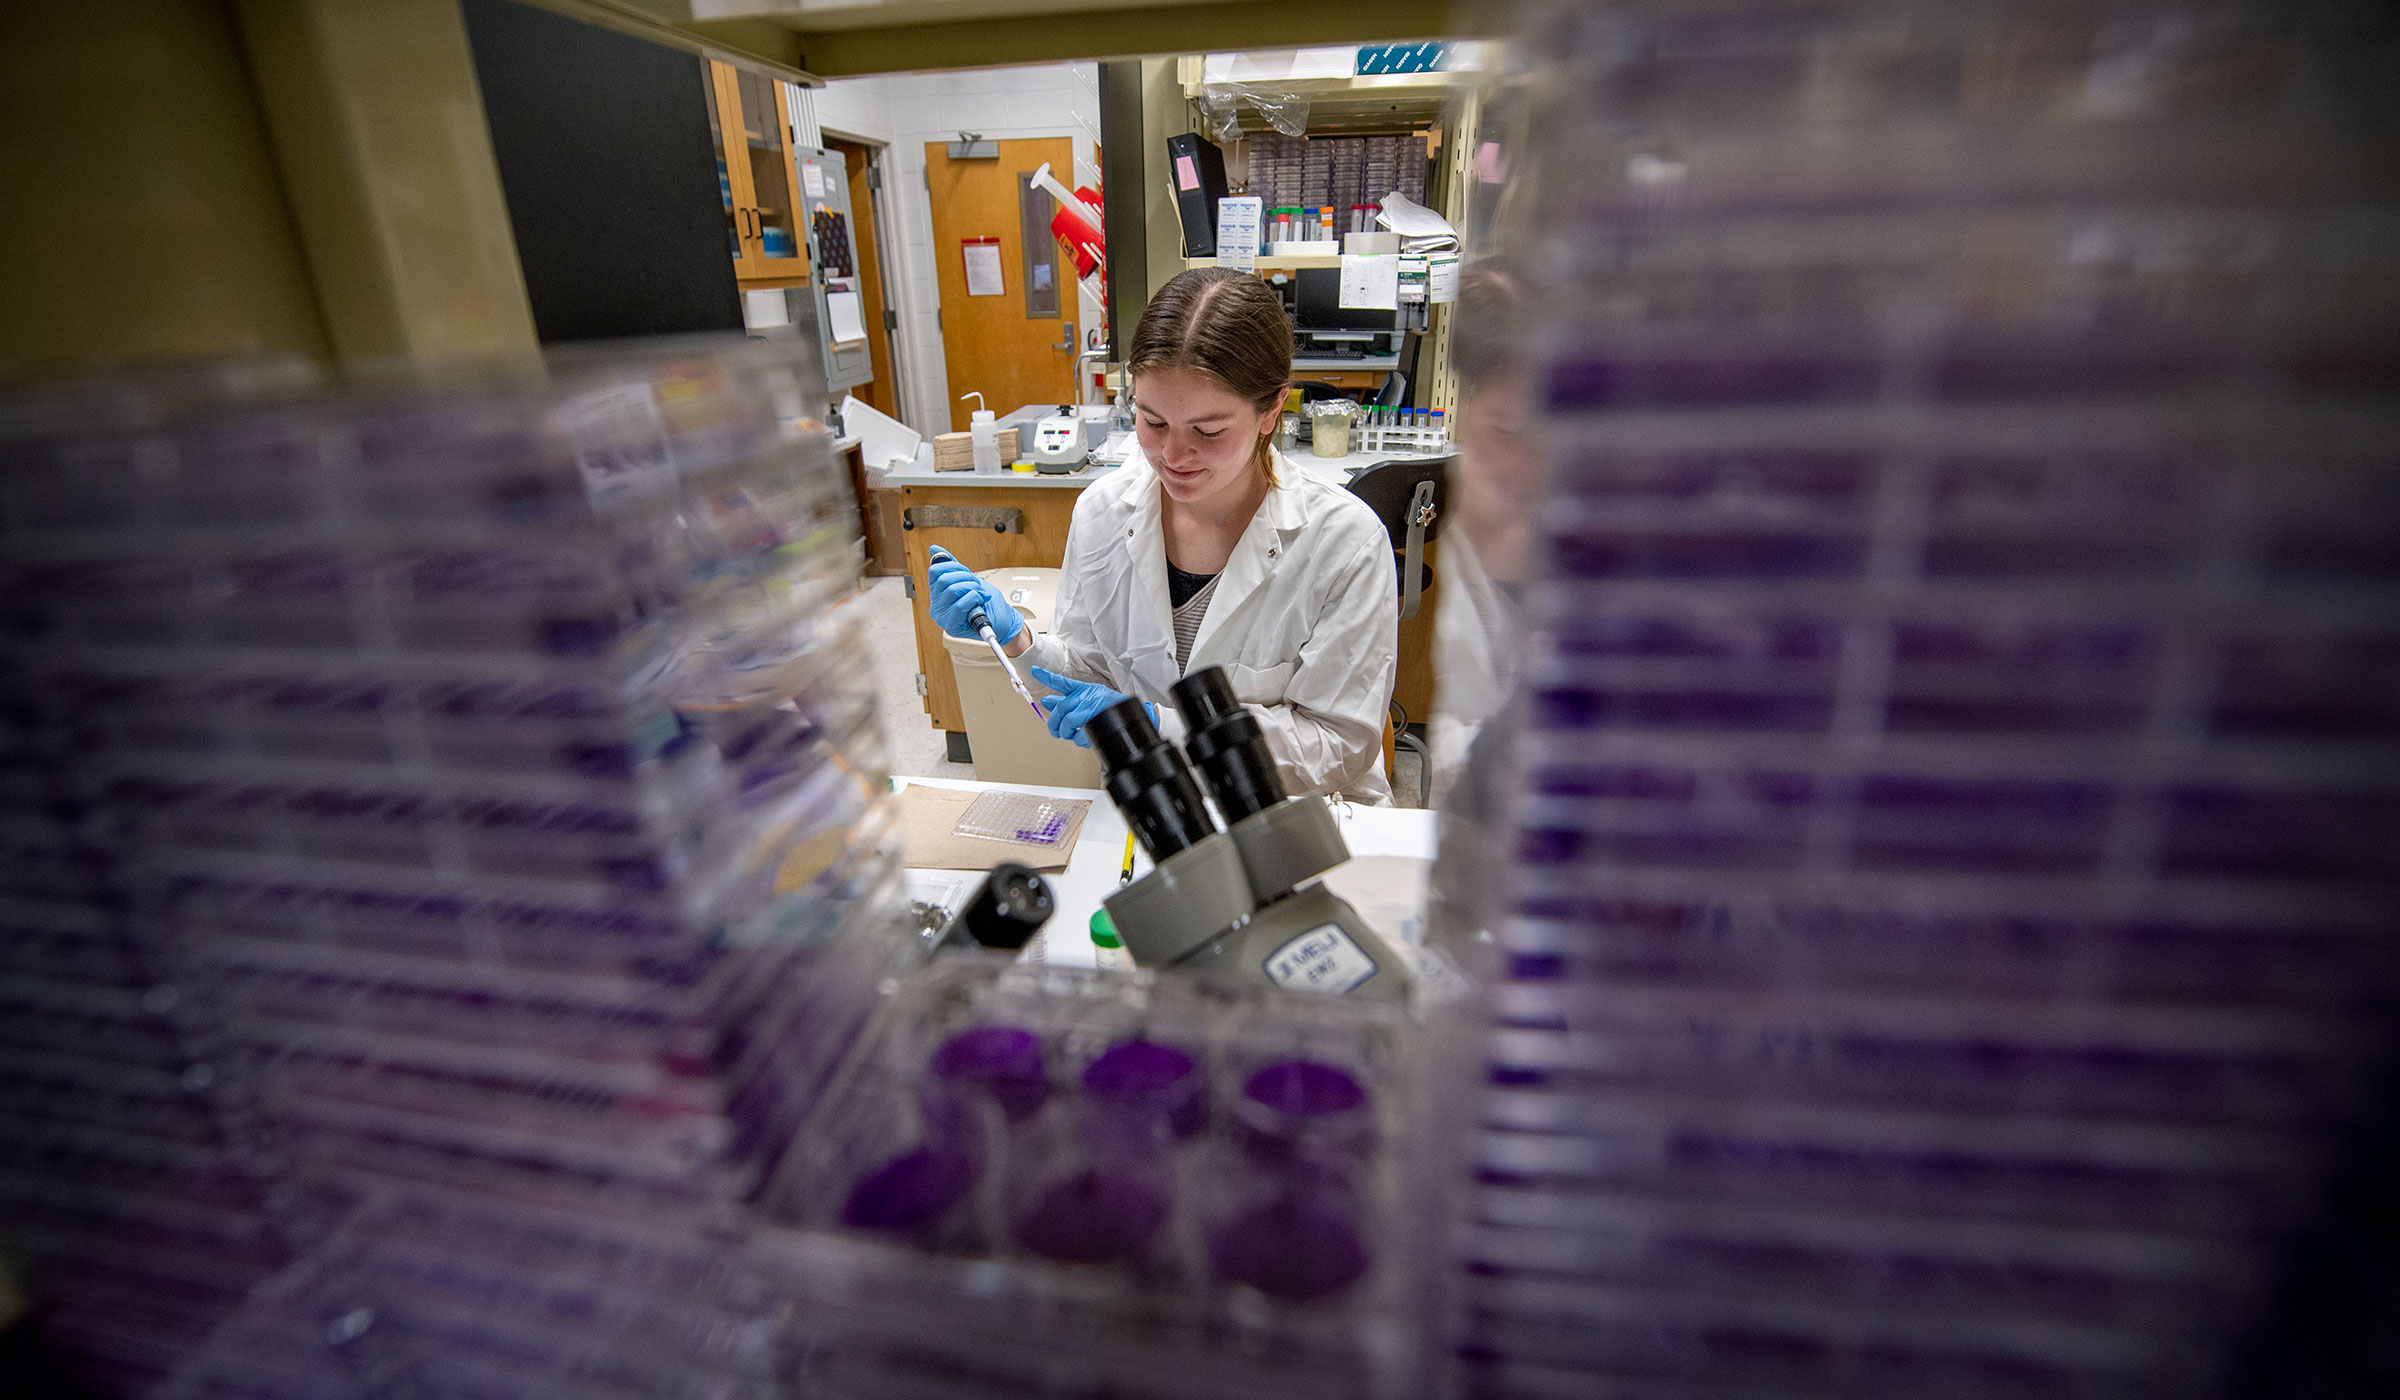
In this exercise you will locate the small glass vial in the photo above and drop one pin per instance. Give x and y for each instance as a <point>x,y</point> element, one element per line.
<point>1107,955</point>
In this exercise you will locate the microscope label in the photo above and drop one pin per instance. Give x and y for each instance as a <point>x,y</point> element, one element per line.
<point>1324,959</point>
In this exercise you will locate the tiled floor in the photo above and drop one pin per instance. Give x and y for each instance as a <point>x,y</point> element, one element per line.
<point>916,746</point>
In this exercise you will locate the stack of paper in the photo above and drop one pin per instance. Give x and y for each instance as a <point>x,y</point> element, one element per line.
<point>1425,269</point>
<point>1420,229</point>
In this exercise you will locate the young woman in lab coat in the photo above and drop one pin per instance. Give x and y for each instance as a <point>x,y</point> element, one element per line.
<point>1208,548</point>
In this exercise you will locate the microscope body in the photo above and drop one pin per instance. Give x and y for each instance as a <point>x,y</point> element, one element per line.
<point>1243,903</point>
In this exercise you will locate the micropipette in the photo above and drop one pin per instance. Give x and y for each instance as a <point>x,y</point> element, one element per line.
<point>982,622</point>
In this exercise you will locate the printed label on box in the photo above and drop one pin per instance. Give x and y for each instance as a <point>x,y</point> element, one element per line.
<point>1238,218</point>
<point>1441,271</point>
<point>1324,959</point>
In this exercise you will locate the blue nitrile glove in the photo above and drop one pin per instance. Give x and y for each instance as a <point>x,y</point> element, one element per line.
<point>1075,704</point>
<point>953,593</point>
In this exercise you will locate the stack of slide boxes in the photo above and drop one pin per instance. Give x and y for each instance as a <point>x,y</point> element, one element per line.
<point>479,806</point>
<point>1952,911</point>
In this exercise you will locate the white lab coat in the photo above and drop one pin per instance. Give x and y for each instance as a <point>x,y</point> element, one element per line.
<point>1477,632</point>
<point>1305,621</point>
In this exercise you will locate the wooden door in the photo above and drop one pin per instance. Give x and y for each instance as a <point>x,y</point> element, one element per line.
<point>990,343</point>
<point>883,393</point>
<point>760,186</point>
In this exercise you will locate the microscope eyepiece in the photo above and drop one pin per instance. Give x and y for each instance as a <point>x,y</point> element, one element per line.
<point>1225,741</point>
<point>1005,912</point>
<point>1204,697</point>
<point>1010,909</point>
<point>1149,780</point>
<point>1122,733</point>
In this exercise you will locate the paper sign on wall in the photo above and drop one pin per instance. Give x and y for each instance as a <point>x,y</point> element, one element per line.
<point>1370,282</point>
<point>983,267</point>
<point>812,179</point>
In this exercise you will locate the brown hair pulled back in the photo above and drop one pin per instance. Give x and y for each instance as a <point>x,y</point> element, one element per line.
<point>1487,327</point>
<point>1223,324</point>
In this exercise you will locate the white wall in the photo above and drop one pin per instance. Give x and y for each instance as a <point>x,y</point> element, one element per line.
<point>905,112</point>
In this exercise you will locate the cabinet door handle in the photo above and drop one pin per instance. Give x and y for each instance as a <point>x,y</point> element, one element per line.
<point>1002,520</point>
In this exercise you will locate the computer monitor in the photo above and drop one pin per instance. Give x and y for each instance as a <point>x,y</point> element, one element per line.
<point>1318,309</point>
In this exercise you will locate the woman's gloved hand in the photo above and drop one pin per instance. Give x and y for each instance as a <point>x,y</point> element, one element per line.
<point>953,594</point>
<point>1075,704</point>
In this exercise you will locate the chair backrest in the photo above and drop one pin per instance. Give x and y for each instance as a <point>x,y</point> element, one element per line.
<point>1410,498</point>
<point>1389,487</point>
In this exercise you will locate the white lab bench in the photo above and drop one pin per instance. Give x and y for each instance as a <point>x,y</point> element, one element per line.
<point>1339,470</point>
<point>919,470</point>
<point>1387,845</point>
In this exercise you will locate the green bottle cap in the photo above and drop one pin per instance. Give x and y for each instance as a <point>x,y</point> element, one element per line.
<point>1104,930</point>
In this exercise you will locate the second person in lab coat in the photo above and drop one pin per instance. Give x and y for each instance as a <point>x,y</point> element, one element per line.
<point>1208,548</point>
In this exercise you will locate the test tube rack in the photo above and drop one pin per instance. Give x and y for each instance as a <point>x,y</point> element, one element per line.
<point>1370,436</point>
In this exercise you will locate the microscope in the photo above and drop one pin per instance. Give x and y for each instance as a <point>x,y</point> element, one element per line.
<point>1242,903</point>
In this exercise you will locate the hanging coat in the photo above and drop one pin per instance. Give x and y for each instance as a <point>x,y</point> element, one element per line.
<point>1305,621</point>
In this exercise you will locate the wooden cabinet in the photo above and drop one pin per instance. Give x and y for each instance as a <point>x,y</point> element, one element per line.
<point>887,544</point>
<point>1368,379</point>
<point>756,176</point>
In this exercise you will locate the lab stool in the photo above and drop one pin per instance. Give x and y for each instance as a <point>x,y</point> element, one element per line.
<point>1409,497</point>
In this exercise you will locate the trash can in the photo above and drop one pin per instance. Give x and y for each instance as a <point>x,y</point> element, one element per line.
<point>1010,745</point>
